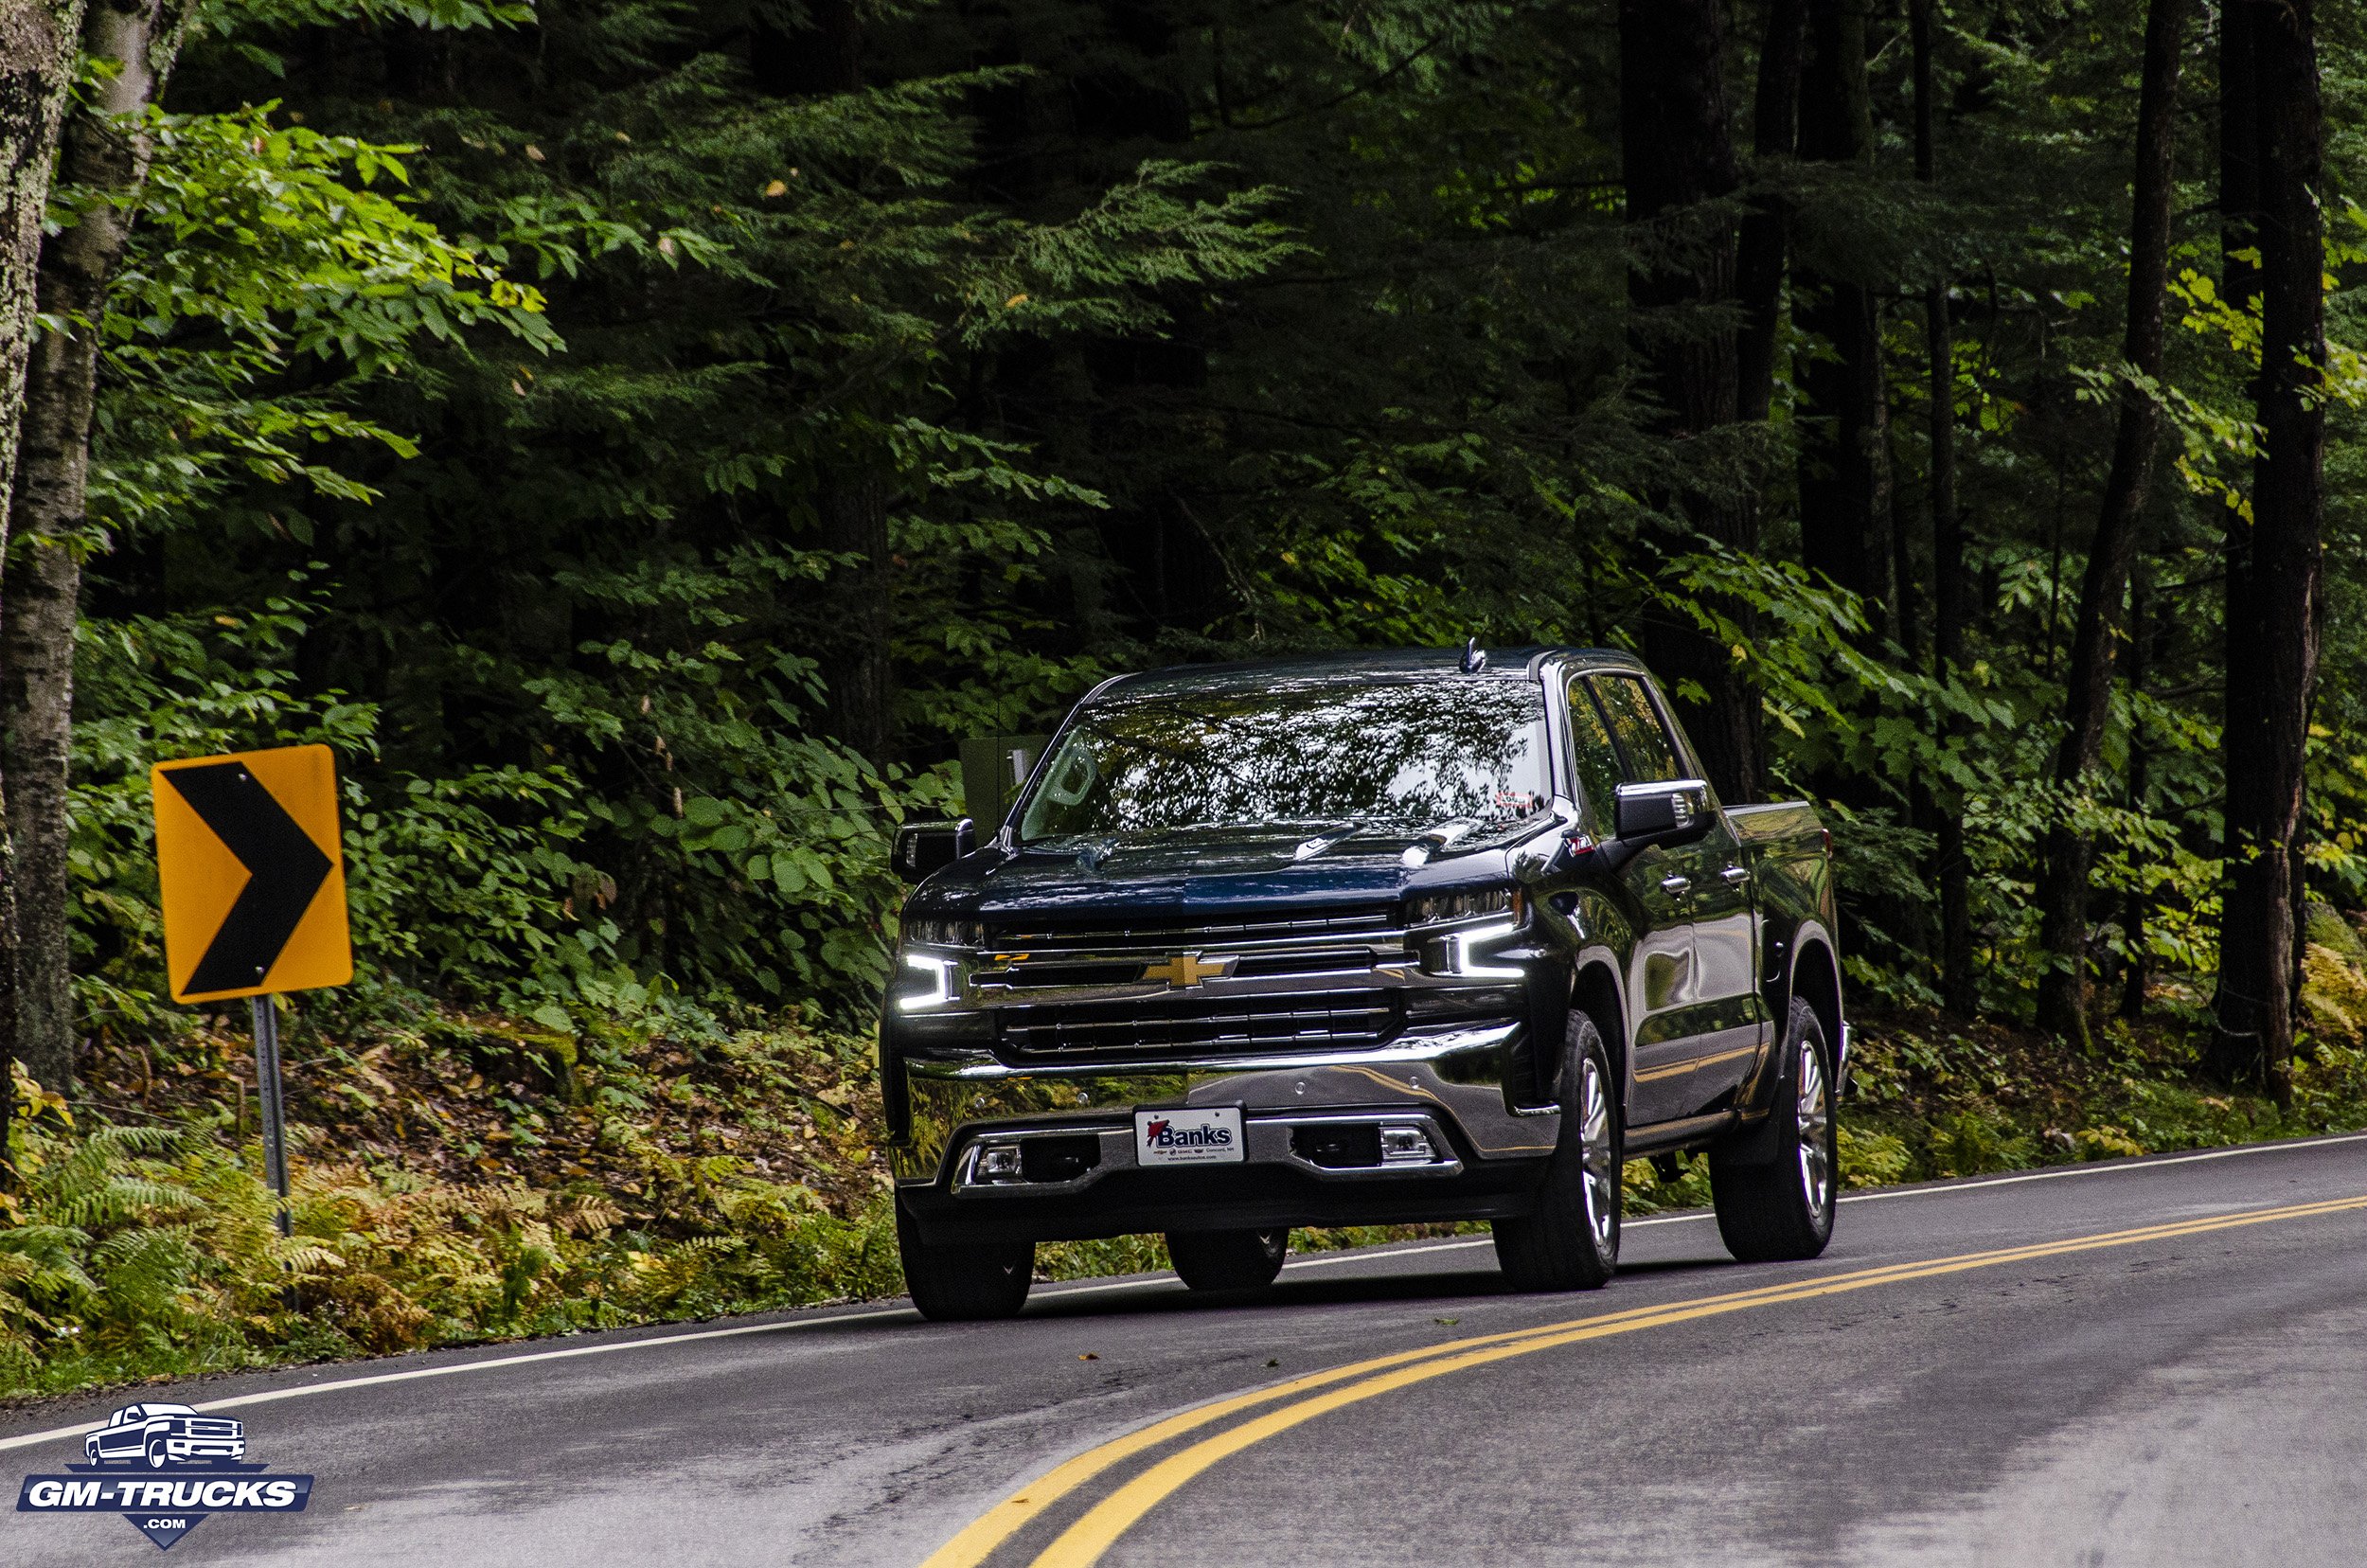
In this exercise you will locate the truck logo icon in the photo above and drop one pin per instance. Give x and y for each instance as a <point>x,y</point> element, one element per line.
<point>161,1434</point>
<point>1186,970</point>
<point>165,1468</point>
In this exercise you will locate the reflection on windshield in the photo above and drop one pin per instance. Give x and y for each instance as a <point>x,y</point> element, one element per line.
<point>1333,755</point>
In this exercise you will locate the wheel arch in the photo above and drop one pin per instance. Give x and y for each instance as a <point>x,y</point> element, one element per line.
<point>1816,980</point>
<point>1595,990</point>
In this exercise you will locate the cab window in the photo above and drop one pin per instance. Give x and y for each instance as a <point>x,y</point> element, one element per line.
<point>1595,756</point>
<point>1647,754</point>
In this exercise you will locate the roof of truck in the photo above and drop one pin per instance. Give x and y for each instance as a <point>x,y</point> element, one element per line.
<point>1393,664</point>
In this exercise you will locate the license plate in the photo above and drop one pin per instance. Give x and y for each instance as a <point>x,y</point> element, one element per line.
<point>1188,1137</point>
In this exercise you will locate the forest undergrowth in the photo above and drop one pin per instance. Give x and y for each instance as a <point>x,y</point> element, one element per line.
<point>460,1178</point>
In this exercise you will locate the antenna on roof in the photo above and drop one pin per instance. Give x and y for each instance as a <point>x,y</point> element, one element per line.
<point>1474,657</point>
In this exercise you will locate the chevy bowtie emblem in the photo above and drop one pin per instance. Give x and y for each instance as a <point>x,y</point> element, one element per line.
<point>1187,969</point>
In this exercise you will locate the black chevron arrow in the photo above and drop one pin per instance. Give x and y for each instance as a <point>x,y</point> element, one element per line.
<point>284,869</point>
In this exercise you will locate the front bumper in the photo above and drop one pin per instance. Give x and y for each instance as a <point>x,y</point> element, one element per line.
<point>1450,1081</point>
<point>205,1448</point>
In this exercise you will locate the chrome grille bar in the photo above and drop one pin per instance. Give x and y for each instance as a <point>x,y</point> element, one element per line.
<point>1376,923</point>
<point>1149,1029</point>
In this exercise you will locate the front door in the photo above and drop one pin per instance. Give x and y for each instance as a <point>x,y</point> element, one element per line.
<point>1658,883</point>
<point>1730,1025</point>
<point>1723,1018</point>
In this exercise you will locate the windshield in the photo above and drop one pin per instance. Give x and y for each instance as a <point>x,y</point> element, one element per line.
<point>1333,754</point>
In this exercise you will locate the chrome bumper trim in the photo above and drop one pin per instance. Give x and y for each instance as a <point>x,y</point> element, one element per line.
<point>1266,1139</point>
<point>1454,1078</point>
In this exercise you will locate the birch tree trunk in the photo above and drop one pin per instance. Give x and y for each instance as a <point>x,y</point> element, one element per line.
<point>37,55</point>
<point>2088,690</point>
<point>103,160</point>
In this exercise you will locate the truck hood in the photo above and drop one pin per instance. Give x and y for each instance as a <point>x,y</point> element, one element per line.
<point>1190,874</point>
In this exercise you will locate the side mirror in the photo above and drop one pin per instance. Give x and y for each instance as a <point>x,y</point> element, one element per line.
<point>1674,811</point>
<point>924,848</point>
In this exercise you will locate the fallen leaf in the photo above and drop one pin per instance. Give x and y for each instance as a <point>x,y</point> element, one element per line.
<point>1015,302</point>
<point>778,188</point>
<point>1089,1356</point>
<point>535,152</point>
<point>1446,1323</point>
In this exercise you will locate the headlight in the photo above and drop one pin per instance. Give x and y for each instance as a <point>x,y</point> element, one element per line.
<point>940,931</point>
<point>940,982</point>
<point>1481,920</point>
<point>1464,904</point>
<point>933,979</point>
<point>1463,953</point>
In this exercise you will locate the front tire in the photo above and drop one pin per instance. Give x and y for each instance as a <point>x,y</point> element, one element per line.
<point>1776,1186</point>
<point>964,1284</point>
<point>157,1455</point>
<point>1228,1261</point>
<point>1571,1242</point>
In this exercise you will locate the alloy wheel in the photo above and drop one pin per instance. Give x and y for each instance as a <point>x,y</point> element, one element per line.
<point>1602,1198</point>
<point>1816,1132</point>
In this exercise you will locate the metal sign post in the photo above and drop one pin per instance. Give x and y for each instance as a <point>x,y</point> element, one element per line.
<point>267,1090</point>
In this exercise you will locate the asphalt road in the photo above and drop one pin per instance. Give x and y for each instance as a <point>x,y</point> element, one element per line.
<point>2145,1362</point>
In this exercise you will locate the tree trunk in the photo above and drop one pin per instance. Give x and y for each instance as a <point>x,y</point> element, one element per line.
<point>1679,162</point>
<point>2239,285</point>
<point>2088,690</point>
<point>1759,266</point>
<point>38,42</point>
<point>100,154</point>
<point>861,672</point>
<point>2253,1041</point>
<point>1844,441</point>
<point>2137,903</point>
<point>824,55</point>
<point>1950,579</point>
<point>851,504</point>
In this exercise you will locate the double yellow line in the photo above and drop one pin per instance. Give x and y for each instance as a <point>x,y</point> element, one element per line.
<point>1303,1400</point>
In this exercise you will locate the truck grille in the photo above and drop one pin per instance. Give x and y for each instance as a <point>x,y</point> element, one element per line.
<point>1158,1028</point>
<point>1377,922</point>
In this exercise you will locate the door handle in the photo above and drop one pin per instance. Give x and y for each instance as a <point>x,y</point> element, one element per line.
<point>1675,883</point>
<point>1736,874</point>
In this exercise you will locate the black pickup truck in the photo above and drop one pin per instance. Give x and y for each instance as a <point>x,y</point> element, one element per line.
<point>1372,938</point>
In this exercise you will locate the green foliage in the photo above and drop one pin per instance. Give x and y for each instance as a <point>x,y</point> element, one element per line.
<point>568,414</point>
<point>1241,329</point>
<point>135,1250</point>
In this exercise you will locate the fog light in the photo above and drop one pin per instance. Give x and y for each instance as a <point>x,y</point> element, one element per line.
<point>997,1162</point>
<point>1405,1146</point>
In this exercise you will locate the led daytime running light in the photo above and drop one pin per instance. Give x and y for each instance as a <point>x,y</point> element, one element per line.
<point>940,973</point>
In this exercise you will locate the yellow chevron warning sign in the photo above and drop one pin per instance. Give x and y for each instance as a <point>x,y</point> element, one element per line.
<point>253,873</point>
